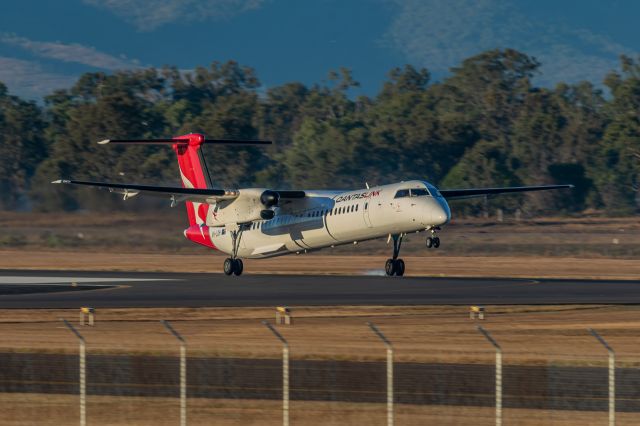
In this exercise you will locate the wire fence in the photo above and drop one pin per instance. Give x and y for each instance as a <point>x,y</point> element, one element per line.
<point>181,382</point>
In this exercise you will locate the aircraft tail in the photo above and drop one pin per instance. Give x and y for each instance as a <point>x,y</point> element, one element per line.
<point>193,167</point>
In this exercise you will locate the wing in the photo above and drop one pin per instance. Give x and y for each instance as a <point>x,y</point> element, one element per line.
<point>175,194</point>
<point>455,194</point>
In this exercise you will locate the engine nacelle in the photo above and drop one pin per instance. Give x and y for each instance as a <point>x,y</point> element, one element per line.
<point>267,214</point>
<point>252,204</point>
<point>270,198</point>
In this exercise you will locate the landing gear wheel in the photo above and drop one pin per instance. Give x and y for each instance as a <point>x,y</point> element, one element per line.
<point>436,242</point>
<point>390,267</point>
<point>229,266</point>
<point>399,267</point>
<point>429,242</point>
<point>238,267</point>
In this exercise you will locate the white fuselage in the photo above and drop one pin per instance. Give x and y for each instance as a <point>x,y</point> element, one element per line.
<point>329,218</point>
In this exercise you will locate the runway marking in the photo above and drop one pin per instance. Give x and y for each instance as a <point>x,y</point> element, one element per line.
<point>67,280</point>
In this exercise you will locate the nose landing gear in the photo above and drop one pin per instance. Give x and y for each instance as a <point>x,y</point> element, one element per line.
<point>395,266</point>
<point>433,241</point>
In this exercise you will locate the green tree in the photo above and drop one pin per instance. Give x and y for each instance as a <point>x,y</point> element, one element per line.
<point>22,147</point>
<point>619,175</point>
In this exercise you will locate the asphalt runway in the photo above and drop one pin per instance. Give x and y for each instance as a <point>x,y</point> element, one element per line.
<point>71,289</point>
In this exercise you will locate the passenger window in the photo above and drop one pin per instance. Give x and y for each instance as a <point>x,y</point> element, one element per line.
<point>419,192</point>
<point>357,207</point>
<point>402,193</point>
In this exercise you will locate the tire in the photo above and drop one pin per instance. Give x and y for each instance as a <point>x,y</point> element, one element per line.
<point>429,242</point>
<point>239,267</point>
<point>399,267</point>
<point>229,266</point>
<point>390,267</point>
<point>436,242</point>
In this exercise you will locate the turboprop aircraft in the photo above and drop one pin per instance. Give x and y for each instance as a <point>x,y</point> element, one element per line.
<point>262,222</point>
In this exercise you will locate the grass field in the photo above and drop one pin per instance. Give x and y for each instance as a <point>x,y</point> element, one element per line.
<point>528,334</point>
<point>569,248</point>
<point>537,335</point>
<point>61,410</point>
<point>452,266</point>
<point>162,233</point>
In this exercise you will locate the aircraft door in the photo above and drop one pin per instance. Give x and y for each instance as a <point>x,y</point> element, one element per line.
<point>365,212</point>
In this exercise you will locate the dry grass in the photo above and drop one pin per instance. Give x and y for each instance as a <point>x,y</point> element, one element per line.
<point>528,335</point>
<point>61,410</point>
<point>126,232</point>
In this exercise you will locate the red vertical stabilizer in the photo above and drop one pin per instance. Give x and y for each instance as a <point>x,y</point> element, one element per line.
<point>193,173</point>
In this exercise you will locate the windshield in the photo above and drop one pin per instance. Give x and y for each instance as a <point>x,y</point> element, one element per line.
<point>419,192</point>
<point>402,193</point>
<point>412,192</point>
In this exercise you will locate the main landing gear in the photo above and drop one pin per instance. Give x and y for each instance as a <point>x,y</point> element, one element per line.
<point>233,265</point>
<point>395,266</point>
<point>433,241</point>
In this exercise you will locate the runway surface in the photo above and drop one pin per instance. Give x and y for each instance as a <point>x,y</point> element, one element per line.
<point>56,289</point>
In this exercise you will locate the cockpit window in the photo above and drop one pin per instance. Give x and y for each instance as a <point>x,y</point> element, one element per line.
<point>402,193</point>
<point>419,192</point>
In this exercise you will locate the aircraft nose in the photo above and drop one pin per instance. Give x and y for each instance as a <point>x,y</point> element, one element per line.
<point>441,215</point>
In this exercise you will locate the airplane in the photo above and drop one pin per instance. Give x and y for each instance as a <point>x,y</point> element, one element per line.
<point>253,223</point>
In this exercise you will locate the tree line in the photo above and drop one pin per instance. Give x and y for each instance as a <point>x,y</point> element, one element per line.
<point>486,124</point>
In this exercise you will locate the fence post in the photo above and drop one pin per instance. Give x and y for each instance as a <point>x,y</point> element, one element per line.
<point>389,347</point>
<point>183,372</point>
<point>285,373</point>
<point>83,373</point>
<point>498,374</point>
<point>612,377</point>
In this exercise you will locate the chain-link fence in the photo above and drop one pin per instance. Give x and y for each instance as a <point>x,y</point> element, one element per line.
<point>177,381</point>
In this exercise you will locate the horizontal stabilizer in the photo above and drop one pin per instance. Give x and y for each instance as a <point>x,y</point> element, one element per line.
<point>184,141</point>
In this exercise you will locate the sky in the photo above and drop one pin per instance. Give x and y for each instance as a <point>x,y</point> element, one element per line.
<point>45,45</point>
